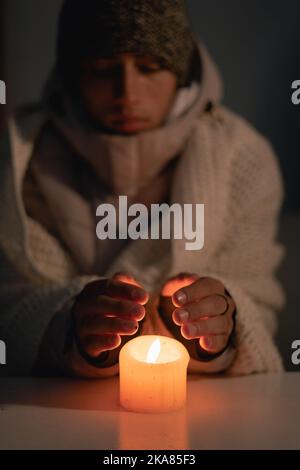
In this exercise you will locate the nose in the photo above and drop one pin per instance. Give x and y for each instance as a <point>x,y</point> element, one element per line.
<point>127,85</point>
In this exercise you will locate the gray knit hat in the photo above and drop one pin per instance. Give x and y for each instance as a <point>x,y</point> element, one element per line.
<point>97,28</point>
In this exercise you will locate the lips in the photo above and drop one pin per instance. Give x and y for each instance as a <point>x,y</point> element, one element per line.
<point>129,123</point>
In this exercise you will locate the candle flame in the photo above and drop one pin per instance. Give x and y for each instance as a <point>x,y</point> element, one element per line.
<point>153,352</point>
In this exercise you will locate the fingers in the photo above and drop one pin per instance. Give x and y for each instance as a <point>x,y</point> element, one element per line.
<point>139,294</point>
<point>124,276</point>
<point>177,282</point>
<point>219,325</point>
<point>213,344</point>
<point>204,287</point>
<point>107,309</point>
<point>120,289</point>
<point>95,345</point>
<point>209,306</point>
<point>108,306</point>
<point>98,334</point>
<point>117,289</point>
<point>100,325</point>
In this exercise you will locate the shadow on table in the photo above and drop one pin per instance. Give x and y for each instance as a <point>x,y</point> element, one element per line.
<point>73,394</point>
<point>62,393</point>
<point>123,430</point>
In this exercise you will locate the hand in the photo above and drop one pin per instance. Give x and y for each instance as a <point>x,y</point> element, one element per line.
<point>106,310</point>
<point>204,312</point>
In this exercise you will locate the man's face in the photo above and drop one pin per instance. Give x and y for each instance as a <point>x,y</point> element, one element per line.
<point>127,94</point>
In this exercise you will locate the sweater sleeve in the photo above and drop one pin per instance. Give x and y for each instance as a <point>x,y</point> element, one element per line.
<point>35,310</point>
<point>59,353</point>
<point>26,310</point>
<point>249,256</point>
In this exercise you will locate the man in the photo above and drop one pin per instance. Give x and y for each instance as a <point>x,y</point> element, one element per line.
<point>133,108</point>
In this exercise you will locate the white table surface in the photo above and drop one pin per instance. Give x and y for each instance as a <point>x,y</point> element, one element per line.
<point>255,412</point>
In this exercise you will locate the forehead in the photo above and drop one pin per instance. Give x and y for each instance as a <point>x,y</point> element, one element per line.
<point>123,57</point>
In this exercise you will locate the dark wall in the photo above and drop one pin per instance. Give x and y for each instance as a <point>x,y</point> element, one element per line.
<point>257,47</point>
<point>2,64</point>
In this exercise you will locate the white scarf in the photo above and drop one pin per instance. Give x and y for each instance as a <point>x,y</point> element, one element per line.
<point>117,165</point>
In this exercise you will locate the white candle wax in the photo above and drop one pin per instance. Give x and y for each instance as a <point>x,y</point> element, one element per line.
<point>153,371</point>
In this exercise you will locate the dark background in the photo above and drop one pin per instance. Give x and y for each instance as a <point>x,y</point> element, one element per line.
<point>256,45</point>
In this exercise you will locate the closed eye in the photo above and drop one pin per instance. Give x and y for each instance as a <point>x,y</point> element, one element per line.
<point>148,69</point>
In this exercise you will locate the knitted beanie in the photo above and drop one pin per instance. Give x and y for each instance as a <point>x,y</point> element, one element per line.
<point>103,28</point>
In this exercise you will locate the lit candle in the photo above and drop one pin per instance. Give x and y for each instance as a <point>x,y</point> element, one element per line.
<point>153,371</point>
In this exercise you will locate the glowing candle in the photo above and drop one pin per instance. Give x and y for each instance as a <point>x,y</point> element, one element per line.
<point>153,372</point>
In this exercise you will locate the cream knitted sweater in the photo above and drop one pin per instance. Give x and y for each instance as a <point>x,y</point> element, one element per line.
<point>236,177</point>
<point>224,164</point>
